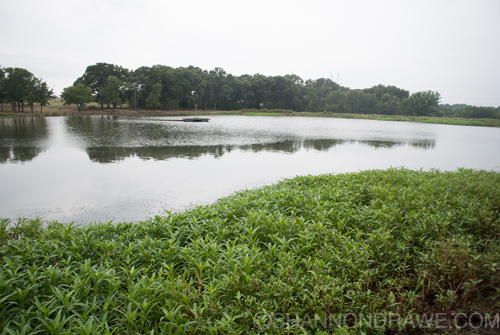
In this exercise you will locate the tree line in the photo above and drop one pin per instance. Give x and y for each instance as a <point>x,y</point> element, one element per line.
<point>19,86</point>
<point>165,87</point>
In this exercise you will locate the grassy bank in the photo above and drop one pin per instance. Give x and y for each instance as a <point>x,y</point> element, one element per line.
<point>444,120</point>
<point>419,119</point>
<point>315,254</point>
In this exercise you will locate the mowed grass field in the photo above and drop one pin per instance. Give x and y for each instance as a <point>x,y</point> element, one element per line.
<point>308,255</point>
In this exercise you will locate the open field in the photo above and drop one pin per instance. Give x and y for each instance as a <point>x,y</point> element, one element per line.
<point>57,108</point>
<point>316,254</point>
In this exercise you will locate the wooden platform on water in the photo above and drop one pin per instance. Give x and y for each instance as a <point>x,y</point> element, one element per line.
<point>188,119</point>
<point>195,119</point>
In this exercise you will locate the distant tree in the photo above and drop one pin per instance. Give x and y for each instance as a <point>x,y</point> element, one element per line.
<point>337,101</point>
<point>38,92</point>
<point>316,93</point>
<point>284,92</point>
<point>136,87</point>
<point>192,79</point>
<point>153,100</point>
<point>111,93</point>
<point>171,91</point>
<point>421,104</point>
<point>140,84</point>
<point>454,106</point>
<point>380,90</point>
<point>78,95</point>
<point>162,86</point>
<point>43,94</point>
<point>96,76</point>
<point>244,97</point>
<point>19,83</point>
<point>360,102</point>
<point>474,112</point>
<point>31,96</point>
<point>294,92</point>
<point>322,83</point>
<point>259,83</point>
<point>3,93</point>
<point>388,104</point>
<point>220,89</point>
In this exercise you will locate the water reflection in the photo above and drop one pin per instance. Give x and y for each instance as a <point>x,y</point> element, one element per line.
<point>293,146</point>
<point>148,164</point>
<point>113,139</point>
<point>131,132</point>
<point>322,144</point>
<point>424,144</point>
<point>22,138</point>
<point>116,154</point>
<point>384,144</point>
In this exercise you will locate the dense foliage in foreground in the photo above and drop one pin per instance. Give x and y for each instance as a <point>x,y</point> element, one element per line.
<point>395,241</point>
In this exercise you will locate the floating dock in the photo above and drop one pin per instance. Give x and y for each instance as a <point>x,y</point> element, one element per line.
<point>195,119</point>
<point>187,119</point>
<point>191,119</point>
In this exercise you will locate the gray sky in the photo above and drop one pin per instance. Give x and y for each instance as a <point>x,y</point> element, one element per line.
<point>449,46</point>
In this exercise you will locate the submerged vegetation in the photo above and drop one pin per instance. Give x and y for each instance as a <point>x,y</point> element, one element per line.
<point>269,260</point>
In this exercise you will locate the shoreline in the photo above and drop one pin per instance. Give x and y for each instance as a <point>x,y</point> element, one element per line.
<point>73,111</point>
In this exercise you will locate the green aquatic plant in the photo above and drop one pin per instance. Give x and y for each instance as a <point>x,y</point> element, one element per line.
<point>306,255</point>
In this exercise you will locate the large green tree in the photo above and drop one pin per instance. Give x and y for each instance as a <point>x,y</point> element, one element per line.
<point>193,86</point>
<point>421,104</point>
<point>316,93</point>
<point>387,104</point>
<point>242,90</point>
<point>219,86</point>
<point>111,93</point>
<point>19,83</point>
<point>31,96</point>
<point>96,76</point>
<point>259,85</point>
<point>136,89</point>
<point>141,81</point>
<point>43,94</point>
<point>39,92</point>
<point>153,100</point>
<point>284,92</point>
<point>78,95</point>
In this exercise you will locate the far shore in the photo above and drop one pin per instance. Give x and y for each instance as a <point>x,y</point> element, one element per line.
<point>58,109</point>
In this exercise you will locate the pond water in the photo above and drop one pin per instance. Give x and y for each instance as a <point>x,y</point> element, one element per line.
<point>86,169</point>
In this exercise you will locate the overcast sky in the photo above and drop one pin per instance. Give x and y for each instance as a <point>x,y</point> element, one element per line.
<point>449,46</point>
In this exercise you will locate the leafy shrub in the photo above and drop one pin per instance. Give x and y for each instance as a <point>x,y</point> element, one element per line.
<point>395,241</point>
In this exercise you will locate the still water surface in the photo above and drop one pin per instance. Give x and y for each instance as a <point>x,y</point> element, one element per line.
<point>87,169</point>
